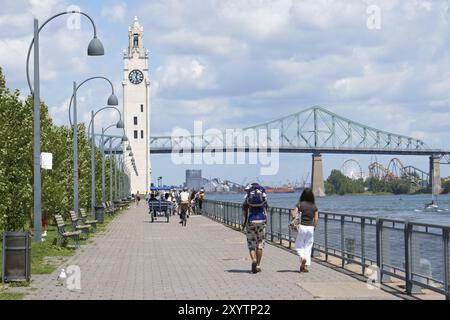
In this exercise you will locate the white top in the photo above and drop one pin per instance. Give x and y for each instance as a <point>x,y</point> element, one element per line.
<point>184,196</point>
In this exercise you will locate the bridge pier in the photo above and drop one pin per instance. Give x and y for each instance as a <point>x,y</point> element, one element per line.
<point>317,184</point>
<point>435,175</point>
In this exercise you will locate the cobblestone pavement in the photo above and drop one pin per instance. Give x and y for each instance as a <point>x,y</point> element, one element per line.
<point>136,259</point>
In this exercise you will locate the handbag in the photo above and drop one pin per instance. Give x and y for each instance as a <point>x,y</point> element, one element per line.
<point>295,223</point>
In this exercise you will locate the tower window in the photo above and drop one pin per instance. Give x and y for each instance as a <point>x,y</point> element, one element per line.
<point>135,134</point>
<point>135,121</point>
<point>142,108</point>
<point>135,40</point>
<point>142,134</point>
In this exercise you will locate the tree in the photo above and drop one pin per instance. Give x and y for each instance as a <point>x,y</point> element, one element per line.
<point>16,163</point>
<point>337,183</point>
<point>446,186</point>
<point>399,186</point>
<point>16,159</point>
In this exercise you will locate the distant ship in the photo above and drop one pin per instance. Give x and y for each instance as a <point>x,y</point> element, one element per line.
<point>276,190</point>
<point>280,190</point>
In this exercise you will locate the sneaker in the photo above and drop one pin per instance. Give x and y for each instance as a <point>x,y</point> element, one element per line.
<point>258,269</point>
<point>254,270</point>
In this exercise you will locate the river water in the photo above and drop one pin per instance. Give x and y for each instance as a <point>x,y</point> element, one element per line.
<point>427,248</point>
<point>394,206</point>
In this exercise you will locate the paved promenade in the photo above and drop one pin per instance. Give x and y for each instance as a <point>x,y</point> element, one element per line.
<point>136,259</point>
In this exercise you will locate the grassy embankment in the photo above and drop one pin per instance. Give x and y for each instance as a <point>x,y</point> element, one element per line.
<point>45,258</point>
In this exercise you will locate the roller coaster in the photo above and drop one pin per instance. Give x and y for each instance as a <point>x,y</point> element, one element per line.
<point>396,169</point>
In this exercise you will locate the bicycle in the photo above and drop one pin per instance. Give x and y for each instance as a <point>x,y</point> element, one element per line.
<point>184,209</point>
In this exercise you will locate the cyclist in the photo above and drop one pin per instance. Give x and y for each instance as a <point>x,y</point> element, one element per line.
<point>184,205</point>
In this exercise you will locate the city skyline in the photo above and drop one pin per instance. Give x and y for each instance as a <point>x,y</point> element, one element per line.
<point>233,64</point>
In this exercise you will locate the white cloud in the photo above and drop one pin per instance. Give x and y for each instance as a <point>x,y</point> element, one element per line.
<point>258,19</point>
<point>236,63</point>
<point>116,12</point>
<point>184,72</point>
<point>184,40</point>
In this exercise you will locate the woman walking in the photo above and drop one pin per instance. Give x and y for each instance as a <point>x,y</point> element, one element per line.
<point>307,213</point>
<point>138,198</point>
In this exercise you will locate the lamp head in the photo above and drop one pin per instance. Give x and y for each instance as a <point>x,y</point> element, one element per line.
<point>129,148</point>
<point>95,47</point>
<point>120,124</point>
<point>112,100</point>
<point>124,138</point>
<point>131,154</point>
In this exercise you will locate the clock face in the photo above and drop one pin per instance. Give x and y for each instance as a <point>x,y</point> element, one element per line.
<point>136,76</point>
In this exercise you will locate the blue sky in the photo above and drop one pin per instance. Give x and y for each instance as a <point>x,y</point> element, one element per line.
<point>237,63</point>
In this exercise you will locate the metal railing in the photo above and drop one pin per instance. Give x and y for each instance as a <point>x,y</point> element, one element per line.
<point>414,252</point>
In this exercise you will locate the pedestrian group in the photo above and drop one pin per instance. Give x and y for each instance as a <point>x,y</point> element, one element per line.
<point>304,219</point>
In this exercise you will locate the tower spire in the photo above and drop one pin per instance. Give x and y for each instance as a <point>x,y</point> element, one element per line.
<point>136,35</point>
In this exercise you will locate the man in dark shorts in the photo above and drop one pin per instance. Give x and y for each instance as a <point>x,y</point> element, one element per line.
<point>253,209</point>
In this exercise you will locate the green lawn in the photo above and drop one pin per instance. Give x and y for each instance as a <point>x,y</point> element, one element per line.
<point>46,257</point>
<point>40,252</point>
<point>11,296</point>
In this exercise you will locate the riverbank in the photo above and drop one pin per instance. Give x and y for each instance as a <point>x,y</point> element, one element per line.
<point>395,206</point>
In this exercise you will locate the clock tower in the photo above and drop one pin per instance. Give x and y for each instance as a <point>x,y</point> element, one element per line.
<point>136,96</point>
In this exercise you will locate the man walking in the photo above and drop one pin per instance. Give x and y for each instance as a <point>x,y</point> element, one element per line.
<point>200,198</point>
<point>254,211</point>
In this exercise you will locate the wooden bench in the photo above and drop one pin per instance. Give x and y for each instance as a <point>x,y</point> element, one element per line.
<point>160,206</point>
<point>126,203</point>
<point>107,208</point>
<point>63,234</point>
<point>77,224</point>
<point>121,204</point>
<point>115,207</point>
<point>85,220</point>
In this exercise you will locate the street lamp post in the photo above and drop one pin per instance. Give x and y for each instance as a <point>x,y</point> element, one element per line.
<point>95,48</point>
<point>112,101</point>
<point>115,176</point>
<point>112,179</point>
<point>110,173</point>
<point>92,133</point>
<point>121,177</point>
<point>110,139</point>
<point>103,142</point>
